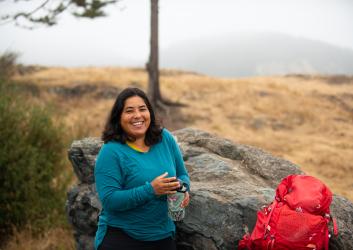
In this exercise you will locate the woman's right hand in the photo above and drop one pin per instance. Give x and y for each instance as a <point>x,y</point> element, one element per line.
<point>163,185</point>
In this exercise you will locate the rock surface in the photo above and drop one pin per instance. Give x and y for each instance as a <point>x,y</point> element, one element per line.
<point>230,182</point>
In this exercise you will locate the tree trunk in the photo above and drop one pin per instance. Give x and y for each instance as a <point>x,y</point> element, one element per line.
<point>153,65</point>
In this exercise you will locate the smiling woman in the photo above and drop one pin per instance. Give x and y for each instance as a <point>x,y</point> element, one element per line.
<point>135,120</point>
<point>137,167</point>
<point>132,119</point>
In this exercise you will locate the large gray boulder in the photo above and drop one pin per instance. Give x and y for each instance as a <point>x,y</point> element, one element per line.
<point>230,182</point>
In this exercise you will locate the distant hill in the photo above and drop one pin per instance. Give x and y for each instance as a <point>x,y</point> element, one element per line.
<point>255,54</point>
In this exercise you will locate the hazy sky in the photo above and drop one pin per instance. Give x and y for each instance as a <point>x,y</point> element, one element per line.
<point>124,35</point>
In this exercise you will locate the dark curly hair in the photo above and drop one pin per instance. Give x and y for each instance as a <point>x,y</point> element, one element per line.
<point>113,130</point>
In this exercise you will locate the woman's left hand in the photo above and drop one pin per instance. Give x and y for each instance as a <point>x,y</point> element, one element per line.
<point>186,200</point>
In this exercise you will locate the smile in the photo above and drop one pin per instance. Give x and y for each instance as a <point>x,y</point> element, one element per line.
<point>137,123</point>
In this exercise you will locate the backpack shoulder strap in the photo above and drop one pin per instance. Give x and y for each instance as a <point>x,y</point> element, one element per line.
<point>271,208</point>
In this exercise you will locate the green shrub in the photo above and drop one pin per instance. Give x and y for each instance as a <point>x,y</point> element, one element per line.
<point>31,158</point>
<point>8,64</point>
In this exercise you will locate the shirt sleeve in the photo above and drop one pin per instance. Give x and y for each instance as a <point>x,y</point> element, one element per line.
<point>181,171</point>
<point>109,177</point>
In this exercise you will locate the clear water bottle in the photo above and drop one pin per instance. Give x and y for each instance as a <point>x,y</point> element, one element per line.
<point>175,211</point>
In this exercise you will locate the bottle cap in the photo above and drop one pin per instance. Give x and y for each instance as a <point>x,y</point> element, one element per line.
<point>182,188</point>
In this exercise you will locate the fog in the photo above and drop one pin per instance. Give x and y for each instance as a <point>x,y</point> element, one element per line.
<point>122,38</point>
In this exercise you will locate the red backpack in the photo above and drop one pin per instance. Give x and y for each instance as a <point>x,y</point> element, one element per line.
<point>297,219</point>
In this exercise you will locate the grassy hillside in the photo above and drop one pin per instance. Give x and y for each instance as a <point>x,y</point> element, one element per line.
<point>305,119</point>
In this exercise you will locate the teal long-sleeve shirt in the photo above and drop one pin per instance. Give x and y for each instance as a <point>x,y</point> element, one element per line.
<point>123,180</point>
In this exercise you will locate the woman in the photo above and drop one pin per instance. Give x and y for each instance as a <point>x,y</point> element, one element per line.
<point>136,168</point>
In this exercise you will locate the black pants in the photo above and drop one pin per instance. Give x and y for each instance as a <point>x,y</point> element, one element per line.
<point>117,239</point>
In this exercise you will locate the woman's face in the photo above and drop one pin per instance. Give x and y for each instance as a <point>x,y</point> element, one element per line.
<point>135,118</point>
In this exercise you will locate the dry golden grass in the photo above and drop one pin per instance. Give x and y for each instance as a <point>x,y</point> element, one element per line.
<point>303,119</point>
<point>54,239</point>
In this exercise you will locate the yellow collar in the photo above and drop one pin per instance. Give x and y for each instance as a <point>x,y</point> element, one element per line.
<point>134,147</point>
